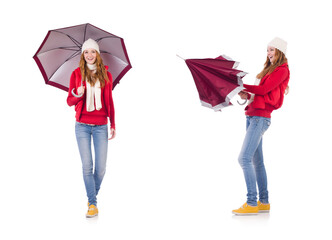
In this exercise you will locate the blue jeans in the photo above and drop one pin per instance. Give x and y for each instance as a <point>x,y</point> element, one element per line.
<point>99,134</point>
<point>252,162</point>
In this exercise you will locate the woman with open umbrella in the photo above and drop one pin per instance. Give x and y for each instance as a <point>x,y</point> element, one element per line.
<point>265,96</point>
<point>90,90</point>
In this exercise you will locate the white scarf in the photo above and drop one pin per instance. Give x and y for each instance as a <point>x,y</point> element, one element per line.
<point>93,93</point>
<point>252,96</point>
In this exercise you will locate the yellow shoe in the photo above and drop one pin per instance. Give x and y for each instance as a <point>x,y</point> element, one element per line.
<point>246,210</point>
<point>92,212</point>
<point>263,207</point>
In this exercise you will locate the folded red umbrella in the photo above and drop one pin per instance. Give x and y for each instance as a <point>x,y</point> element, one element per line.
<point>59,54</point>
<point>217,80</point>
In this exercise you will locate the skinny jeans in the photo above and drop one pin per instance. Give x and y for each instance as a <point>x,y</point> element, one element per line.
<point>251,159</point>
<point>92,175</point>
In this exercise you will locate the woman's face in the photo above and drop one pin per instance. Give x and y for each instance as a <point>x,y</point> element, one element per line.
<point>271,53</point>
<point>90,55</point>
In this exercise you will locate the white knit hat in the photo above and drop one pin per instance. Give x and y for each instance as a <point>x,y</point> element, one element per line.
<point>90,43</point>
<point>279,44</point>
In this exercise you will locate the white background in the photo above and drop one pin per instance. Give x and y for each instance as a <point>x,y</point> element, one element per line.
<point>172,169</point>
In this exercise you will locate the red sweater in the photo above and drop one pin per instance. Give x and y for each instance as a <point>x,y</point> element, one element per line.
<point>94,117</point>
<point>269,94</point>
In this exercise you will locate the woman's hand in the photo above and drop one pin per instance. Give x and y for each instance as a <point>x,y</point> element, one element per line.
<point>80,90</point>
<point>243,95</point>
<point>112,133</point>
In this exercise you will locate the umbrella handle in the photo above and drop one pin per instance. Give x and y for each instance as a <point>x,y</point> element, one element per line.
<point>242,103</point>
<point>75,95</point>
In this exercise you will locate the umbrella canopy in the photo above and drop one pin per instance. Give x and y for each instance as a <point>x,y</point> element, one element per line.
<point>217,80</point>
<point>59,54</point>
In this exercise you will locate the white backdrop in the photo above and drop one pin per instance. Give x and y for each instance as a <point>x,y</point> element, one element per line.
<point>172,169</point>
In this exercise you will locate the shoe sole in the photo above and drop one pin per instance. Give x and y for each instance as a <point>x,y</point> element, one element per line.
<point>244,214</point>
<point>264,211</point>
<point>91,216</point>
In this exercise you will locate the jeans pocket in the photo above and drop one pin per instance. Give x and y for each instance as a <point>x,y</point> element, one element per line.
<point>267,123</point>
<point>79,124</point>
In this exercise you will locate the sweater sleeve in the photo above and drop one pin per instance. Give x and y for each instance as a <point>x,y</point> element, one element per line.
<point>111,107</point>
<point>72,100</point>
<point>274,80</point>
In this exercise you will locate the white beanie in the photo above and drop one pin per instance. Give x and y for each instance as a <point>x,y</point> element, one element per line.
<point>279,44</point>
<point>90,43</point>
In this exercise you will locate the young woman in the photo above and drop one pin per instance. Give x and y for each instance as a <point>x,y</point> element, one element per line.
<point>90,90</point>
<point>264,97</point>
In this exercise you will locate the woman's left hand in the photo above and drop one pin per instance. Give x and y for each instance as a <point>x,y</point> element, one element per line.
<point>112,133</point>
<point>243,95</point>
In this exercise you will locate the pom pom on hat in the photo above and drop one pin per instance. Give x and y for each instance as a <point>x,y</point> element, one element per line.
<point>90,43</point>
<point>278,43</point>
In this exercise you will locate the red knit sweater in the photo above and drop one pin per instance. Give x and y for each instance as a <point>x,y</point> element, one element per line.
<point>269,94</point>
<point>94,117</point>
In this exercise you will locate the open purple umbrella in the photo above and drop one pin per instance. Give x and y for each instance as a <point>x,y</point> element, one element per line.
<point>217,80</point>
<point>60,53</point>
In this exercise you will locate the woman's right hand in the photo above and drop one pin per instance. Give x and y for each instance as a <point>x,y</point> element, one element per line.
<point>80,90</point>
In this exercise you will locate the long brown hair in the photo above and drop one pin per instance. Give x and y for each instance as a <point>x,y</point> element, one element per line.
<point>100,74</point>
<point>280,59</point>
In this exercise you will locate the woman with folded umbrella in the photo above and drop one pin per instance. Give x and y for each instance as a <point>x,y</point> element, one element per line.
<point>90,90</point>
<point>264,97</point>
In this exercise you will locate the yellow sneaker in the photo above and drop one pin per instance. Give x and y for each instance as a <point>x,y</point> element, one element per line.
<point>246,210</point>
<point>263,208</point>
<point>92,211</point>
